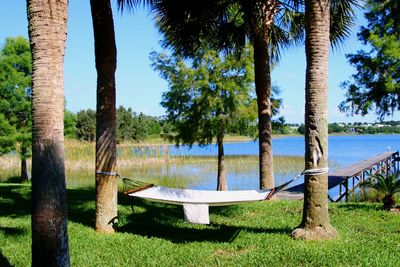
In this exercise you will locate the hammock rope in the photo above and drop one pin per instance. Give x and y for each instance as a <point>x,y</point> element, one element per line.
<point>133,186</point>
<point>129,185</point>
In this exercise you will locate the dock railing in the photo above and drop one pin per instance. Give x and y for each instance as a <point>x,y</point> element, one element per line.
<point>349,178</point>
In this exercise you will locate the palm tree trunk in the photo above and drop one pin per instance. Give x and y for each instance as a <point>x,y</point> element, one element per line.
<point>262,70</point>
<point>315,223</point>
<point>263,90</point>
<point>106,61</point>
<point>221,182</point>
<point>47,33</point>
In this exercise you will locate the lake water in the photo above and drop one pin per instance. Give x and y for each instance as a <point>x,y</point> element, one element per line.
<point>343,151</point>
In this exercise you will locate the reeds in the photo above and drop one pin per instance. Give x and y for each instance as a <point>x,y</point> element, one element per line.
<point>10,166</point>
<point>153,163</point>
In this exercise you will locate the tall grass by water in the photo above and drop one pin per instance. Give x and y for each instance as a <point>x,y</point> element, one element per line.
<point>153,163</point>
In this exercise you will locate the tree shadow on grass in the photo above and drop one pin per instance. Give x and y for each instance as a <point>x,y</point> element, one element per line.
<point>13,179</point>
<point>151,219</point>
<point>4,261</point>
<point>81,206</point>
<point>12,231</point>
<point>16,201</point>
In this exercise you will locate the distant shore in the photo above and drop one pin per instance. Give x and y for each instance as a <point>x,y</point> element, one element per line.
<point>238,138</point>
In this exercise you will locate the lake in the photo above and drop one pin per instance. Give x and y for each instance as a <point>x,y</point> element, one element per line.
<point>343,151</point>
<point>196,167</point>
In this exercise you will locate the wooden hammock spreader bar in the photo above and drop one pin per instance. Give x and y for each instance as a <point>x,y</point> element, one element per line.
<point>138,189</point>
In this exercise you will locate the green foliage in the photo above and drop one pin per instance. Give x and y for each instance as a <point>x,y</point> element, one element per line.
<point>86,125</point>
<point>226,25</point>
<point>301,129</point>
<point>207,95</point>
<point>128,126</point>
<point>376,84</point>
<point>152,124</point>
<point>253,234</point>
<point>337,128</point>
<point>387,185</point>
<point>279,126</point>
<point>133,127</point>
<point>70,120</point>
<point>15,96</point>
<point>7,134</point>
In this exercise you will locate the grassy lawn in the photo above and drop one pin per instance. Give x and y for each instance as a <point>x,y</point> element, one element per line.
<point>255,234</point>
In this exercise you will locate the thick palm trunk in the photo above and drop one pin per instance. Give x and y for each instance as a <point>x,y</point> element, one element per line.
<point>262,70</point>
<point>221,182</point>
<point>315,223</point>
<point>106,61</point>
<point>47,33</point>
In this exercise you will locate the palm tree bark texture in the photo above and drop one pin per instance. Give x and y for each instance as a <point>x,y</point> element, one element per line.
<point>47,20</point>
<point>106,61</point>
<point>315,223</point>
<point>261,23</point>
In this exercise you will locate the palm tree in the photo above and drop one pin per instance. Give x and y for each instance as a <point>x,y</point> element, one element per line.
<point>47,33</point>
<point>106,62</point>
<point>269,25</point>
<point>187,25</point>
<point>315,223</point>
<point>388,186</point>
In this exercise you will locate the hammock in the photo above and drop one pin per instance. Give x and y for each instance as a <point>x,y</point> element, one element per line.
<point>196,202</point>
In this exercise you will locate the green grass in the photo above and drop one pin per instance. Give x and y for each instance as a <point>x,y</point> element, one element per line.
<point>255,234</point>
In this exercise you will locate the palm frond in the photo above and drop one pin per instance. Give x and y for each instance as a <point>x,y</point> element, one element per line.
<point>342,20</point>
<point>131,4</point>
<point>188,25</point>
<point>388,185</point>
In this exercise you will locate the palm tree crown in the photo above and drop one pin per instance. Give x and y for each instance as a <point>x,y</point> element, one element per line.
<point>387,185</point>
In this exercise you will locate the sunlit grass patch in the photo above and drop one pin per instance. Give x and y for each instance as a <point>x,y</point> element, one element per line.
<point>253,234</point>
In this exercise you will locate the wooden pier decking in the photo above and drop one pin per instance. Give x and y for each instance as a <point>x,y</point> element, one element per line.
<point>349,178</point>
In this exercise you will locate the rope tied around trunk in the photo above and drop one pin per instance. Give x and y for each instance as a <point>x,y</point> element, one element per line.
<point>316,171</point>
<point>278,188</point>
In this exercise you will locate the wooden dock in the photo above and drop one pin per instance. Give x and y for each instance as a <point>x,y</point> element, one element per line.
<point>349,178</point>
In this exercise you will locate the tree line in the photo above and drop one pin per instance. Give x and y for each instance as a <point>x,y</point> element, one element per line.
<point>131,126</point>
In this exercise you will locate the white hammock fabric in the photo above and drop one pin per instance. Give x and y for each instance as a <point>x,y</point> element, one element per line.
<point>196,202</point>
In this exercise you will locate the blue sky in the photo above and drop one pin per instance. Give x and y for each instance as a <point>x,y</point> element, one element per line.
<point>140,87</point>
